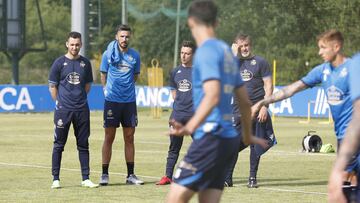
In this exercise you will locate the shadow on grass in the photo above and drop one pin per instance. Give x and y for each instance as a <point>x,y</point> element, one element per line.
<point>282,182</point>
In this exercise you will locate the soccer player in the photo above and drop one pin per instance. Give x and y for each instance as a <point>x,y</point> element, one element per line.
<point>350,145</point>
<point>181,91</point>
<point>333,74</point>
<point>70,80</point>
<point>120,67</point>
<point>215,141</point>
<point>255,72</point>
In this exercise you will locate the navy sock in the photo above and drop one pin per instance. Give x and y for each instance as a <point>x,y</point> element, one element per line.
<point>105,169</point>
<point>130,168</point>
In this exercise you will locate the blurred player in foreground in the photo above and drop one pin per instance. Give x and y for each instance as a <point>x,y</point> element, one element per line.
<point>215,78</point>
<point>351,142</point>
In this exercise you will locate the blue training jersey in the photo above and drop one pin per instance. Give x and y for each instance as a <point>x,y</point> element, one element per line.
<point>70,76</point>
<point>336,86</point>
<point>354,72</point>
<point>121,69</point>
<point>214,60</point>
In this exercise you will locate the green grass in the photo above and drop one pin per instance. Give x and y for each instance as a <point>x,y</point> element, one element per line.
<point>285,174</point>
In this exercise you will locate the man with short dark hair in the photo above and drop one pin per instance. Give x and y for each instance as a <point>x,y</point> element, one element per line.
<point>181,91</point>
<point>70,80</point>
<point>120,67</point>
<point>216,78</point>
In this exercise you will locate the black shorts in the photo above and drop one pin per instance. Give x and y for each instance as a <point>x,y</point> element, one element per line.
<point>206,163</point>
<point>116,113</point>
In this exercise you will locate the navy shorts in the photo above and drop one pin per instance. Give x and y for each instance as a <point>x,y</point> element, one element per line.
<point>262,130</point>
<point>353,164</point>
<point>206,163</point>
<point>116,113</point>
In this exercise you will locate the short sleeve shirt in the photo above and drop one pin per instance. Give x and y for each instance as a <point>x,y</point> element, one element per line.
<point>70,76</point>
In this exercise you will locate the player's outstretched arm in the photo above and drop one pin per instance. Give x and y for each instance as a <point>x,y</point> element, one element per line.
<point>349,146</point>
<point>282,94</point>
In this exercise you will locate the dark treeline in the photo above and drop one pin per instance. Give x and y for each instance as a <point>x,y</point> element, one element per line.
<point>284,30</point>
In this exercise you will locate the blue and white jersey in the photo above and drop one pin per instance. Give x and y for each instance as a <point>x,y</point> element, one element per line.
<point>181,82</point>
<point>354,73</point>
<point>214,60</point>
<point>70,76</point>
<point>121,69</point>
<point>336,86</point>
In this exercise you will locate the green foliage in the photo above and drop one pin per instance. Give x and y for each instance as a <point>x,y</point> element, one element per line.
<point>282,30</point>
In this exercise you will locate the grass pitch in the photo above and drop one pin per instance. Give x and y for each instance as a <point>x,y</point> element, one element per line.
<point>285,174</point>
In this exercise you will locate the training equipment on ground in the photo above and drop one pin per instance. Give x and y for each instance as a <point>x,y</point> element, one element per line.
<point>311,143</point>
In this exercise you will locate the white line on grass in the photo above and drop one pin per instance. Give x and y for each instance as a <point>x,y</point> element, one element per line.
<point>156,178</point>
<point>69,169</point>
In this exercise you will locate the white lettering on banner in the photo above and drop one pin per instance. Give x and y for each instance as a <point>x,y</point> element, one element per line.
<point>23,99</point>
<point>321,104</point>
<point>284,104</point>
<point>154,96</point>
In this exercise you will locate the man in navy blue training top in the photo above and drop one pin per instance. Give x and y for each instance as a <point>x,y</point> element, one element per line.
<point>120,67</point>
<point>70,79</point>
<point>255,71</point>
<point>181,90</point>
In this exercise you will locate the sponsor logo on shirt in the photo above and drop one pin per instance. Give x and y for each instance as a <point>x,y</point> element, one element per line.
<point>335,95</point>
<point>73,78</point>
<point>65,64</point>
<point>246,75</point>
<point>179,71</point>
<point>124,67</point>
<point>184,85</point>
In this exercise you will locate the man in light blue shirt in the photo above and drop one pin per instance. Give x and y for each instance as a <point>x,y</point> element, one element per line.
<point>333,75</point>
<point>120,67</point>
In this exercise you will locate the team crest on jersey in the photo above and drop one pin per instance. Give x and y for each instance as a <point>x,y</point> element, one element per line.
<point>246,75</point>
<point>335,96</point>
<point>82,64</point>
<point>60,124</point>
<point>179,71</point>
<point>73,78</point>
<point>253,62</point>
<point>343,72</point>
<point>184,85</point>
<point>65,64</point>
